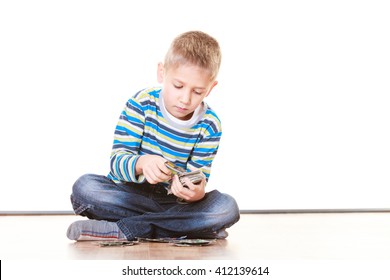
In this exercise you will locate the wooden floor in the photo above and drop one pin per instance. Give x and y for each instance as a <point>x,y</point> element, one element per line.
<point>358,236</point>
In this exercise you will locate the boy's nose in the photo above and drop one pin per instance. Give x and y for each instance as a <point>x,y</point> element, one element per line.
<point>185,98</point>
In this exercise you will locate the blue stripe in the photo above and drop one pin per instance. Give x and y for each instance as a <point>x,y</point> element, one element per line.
<point>117,161</point>
<point>146,150</point>
<point>122,130</point>
<point>149,104</point>
<point>211,128</point>
<point>155,93</point>
<point>133,105</point>
<point>151,122</point>
<point>125,145</point>
<point>149,138</point>
<point>125,169</point>
<point>131,119</point>
<point>202,163</point>
<point>186,138</point>
<point>133,169</point>
<point>174,152</point>
<point>169,150</point>
<point>203,151</point>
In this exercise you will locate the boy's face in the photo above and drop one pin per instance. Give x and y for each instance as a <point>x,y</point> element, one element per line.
<point>184,87</point>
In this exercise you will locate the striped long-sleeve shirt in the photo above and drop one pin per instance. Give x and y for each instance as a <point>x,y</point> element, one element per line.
<point>145,127</point>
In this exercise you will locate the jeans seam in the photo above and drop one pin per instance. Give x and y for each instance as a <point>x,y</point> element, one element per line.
<point>80,207</point>
<point>129,235</point>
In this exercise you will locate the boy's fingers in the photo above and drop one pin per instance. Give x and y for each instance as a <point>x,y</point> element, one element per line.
<point>150,178</point>
<point>189,184</point>
<point>193,186</point>
<point>155,175</point>
<point>163,168</point>
<point>179,190</point>
<point>162,175</point>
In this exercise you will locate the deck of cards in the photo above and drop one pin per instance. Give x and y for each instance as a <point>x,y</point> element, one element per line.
<point>195,177</point>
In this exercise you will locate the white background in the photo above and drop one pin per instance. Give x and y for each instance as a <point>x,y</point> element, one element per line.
<point>303,96</point>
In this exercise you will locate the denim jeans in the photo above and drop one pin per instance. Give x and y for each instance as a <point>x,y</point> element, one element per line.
<point>145,210</point>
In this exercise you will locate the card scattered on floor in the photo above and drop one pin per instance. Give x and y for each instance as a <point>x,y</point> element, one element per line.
<point>173,241</point>
<point>181,241</point>
<point>160,240</point>
<point>117,243</point>
<point>193,242</point>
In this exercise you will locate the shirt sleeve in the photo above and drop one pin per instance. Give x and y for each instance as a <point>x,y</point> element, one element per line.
<point>206,149</point>
<point>127,141</point>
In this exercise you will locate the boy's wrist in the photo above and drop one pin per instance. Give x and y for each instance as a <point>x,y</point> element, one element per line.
<point>139,165</point>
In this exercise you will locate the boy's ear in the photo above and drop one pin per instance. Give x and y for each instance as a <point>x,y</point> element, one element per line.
<point>211,88</point>
<point>160,73</point>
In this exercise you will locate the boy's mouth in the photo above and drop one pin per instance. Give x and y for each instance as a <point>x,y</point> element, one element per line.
<point>182,113</point>
<point>181,109</point>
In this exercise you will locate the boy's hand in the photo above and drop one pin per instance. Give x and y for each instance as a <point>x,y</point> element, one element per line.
<point>190,193</point>
<point>153,168</point>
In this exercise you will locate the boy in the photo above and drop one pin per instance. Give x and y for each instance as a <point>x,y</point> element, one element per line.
<point>172,124</point>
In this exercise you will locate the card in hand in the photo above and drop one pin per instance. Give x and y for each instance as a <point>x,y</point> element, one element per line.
<point>195,177</point>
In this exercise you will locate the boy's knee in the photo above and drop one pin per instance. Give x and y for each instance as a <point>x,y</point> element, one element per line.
<point>88,184</point>
<point>226,207</point>
<point>233,208</point>
<point>82,183</point>
<point>86,191</point>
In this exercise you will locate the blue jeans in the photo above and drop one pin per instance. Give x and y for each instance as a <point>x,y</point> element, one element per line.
<point>145,210</point>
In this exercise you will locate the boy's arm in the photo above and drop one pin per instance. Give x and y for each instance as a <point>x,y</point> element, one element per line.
<point>205,151</point>
<point>127,141</point>
<point>202,157</point>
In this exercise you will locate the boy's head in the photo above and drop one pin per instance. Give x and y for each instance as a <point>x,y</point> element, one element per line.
<point>189,72</point>
<point>195,48</point>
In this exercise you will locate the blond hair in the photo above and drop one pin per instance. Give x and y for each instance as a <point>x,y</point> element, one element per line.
<point>197,48</point>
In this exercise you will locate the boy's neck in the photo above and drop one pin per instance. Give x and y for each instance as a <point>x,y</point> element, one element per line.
<point>195,117</point>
